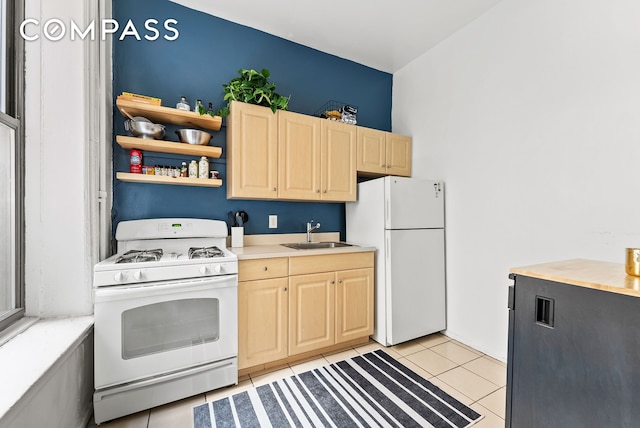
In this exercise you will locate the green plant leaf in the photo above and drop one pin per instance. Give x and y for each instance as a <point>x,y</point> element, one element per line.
<point>253,87</point>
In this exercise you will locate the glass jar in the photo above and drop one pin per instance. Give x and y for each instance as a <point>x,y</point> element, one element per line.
<point>183,104</point>
<point>199,108</point>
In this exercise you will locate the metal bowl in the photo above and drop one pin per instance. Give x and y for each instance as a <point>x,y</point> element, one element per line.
<point>143,129</point>
<point>193,136</point>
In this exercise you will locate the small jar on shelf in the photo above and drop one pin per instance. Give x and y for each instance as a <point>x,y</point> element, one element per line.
<point>183,104</point>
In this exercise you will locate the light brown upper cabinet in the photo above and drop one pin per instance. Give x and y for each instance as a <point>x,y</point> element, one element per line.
<point>252,152</point>
<point>289,156</point>
<point>338,148</point>
<point>316,158</point>
<point>383,153</point>
<point>298,156</point>
<point>292,156</point>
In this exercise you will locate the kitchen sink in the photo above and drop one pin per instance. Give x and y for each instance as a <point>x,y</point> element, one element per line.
<point>316,245</point>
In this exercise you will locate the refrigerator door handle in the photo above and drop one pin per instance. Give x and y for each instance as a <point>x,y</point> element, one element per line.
<point>387,217</point>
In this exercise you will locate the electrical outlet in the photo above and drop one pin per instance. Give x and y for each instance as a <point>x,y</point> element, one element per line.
<point>273,222</point>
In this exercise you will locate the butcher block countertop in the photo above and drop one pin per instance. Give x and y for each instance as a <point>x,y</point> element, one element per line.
<point>268,246</point>
<point>598,275</point>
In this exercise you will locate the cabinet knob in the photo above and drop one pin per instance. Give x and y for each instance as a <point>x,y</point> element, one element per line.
<point>274,189</point>
<point>325,190</point>
<point>284,289</point>
<point>318,191</point>
<point>333,282</point>
<point>339,281</point>
<point>266,268</point>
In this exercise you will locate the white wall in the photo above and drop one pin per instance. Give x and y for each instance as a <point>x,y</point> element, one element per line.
<point>59,256</point>
<point>531,115</point>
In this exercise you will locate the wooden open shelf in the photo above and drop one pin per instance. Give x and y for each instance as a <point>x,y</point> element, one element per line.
<point>163,146</point>
<point>173,116</point>
<point>162,179</point>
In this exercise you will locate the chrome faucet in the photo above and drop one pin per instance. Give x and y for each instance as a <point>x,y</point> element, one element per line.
<point>311,228</point>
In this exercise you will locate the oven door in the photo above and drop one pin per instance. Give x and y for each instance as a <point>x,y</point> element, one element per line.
<point>164,327</point>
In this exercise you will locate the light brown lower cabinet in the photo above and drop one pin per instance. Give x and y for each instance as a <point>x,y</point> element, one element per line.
<point>354,304</point>
<point>262,321</point>
<point>311,312</point>
<point>329,308</point>
<point>320,305</point>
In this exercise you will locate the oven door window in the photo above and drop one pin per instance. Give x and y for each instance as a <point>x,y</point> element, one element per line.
<point>164,326</point>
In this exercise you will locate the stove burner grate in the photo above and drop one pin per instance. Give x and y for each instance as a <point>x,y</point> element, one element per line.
<point>205,252</point>
<point>137,256</point>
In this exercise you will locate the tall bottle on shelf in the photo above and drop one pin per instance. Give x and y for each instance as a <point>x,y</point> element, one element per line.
<point>203,167</point>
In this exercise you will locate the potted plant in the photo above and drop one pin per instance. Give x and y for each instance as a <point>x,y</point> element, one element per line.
<point>253,87</point>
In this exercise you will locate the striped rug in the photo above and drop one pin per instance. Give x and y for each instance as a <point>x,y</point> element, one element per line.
<point>371,390</point>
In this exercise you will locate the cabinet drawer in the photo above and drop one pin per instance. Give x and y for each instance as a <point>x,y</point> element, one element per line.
<point>249,270</point>
<point>329,263</point>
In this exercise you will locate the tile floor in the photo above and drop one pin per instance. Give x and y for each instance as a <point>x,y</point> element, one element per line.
<point>475,379</point>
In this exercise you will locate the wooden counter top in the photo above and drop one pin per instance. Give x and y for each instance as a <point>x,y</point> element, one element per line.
<point>605,276</point>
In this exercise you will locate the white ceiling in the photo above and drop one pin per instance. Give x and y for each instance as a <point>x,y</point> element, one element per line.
<point>380,34</point>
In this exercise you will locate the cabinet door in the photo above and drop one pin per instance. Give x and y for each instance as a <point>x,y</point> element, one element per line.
<point>262,321</point>
<point>252,152</point>
<point>354,304</point>
<point>371,151</point>
<point>398,155</point>
<point>338,161</point>
<point>298,156</point>
<point>311,312</point>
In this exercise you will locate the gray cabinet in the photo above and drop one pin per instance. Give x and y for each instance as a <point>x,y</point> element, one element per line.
<point>573,356</point>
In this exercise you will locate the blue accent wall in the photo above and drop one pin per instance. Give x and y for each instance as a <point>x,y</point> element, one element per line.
<point>208,53</point>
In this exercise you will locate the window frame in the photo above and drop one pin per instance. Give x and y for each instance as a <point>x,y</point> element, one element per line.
<point>14,118</point>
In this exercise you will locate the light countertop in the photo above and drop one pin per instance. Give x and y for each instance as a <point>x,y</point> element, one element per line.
<point>605,276</point>
<point>276,250</point>
<point>268,246</point>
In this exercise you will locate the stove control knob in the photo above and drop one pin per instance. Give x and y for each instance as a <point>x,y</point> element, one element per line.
<point>119,277</point>
<point>204,270</point>
<point>217,268</point>
<point>137,275</point>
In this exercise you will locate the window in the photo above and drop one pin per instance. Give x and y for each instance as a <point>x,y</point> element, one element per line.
<point>11,163</point>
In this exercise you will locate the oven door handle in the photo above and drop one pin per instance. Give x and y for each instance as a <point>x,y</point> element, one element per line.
<point>106,294</point>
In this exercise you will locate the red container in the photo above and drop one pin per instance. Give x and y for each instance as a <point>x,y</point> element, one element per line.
<point>135,161</point>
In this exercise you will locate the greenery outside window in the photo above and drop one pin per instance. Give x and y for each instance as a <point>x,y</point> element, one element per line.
<point>11,163</point>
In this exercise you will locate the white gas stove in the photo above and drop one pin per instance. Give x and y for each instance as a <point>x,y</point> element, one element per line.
<point>166,249</point>
<point>166,315</point>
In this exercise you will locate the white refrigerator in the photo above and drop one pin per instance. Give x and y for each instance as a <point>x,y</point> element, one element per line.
<point>404,219</point>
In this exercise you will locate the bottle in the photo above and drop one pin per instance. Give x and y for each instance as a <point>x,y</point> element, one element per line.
<point>199,108</point>
<point>183,170</point>
<point>183,104</point>
<point>210,111</point>
<point>135,161</point>
<point>193,169</point>
<point>203,167</point>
